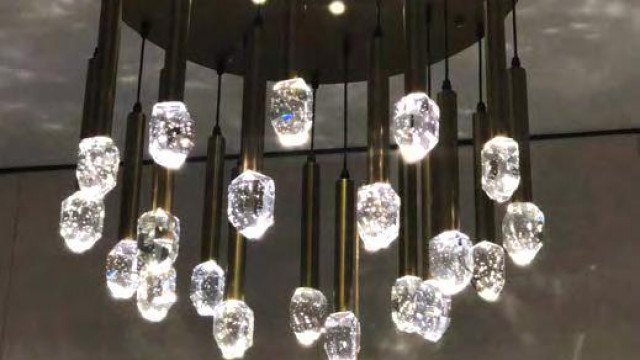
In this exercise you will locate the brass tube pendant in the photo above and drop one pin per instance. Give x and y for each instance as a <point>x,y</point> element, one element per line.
<point>496,67</point>
<point>485,215</point>
<point>236,255</point>
<point>212,213</point>
<point>346,240</point>
<point>89,107</point>
<point>377,114</point>
<point>517,76</point>
<point>309,259</point>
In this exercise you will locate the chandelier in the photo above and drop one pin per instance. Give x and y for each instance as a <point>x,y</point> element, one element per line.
<point>434,264</point>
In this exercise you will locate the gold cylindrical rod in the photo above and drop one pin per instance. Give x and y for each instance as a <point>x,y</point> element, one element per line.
<point>414,33</point>
<point>520,124</point>
<point>88,111</point>
<point>236,255</point>
<point>496,68</point>
<point>346,238</point>
<point>175,56</point>
<point>309,254</point>
<point>378,114</point>
<point>212,213</point>
<point>132,173</point>
<point>162,188</point>
<point>485,215</point>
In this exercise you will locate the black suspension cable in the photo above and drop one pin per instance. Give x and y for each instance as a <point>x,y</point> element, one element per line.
<point>220,72</point>
<point>514,17</point>
<point>429,78</point>
<point>379,16</point>
<point>345,134</point>
<point>144,32</point>
<point>315,84</point>
<point>480,68</point>
<point>447,83</point>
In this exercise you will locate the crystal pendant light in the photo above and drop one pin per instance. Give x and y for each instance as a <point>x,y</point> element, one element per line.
<point>233,328</point>
<point>156,293</point>
<point>290,111</point>
<point>402,303</point>
<point>81,221</point>
<point>251,200</point>
<point>432,308</point>
<point>378,214</point>
<point>207,287</point>
<point>489,270</point>
<point>308,309</point>
<point>122,270</point>
<point>158,238</point>
<point>500,168</point>
<point>522,229</point>
<point>171,134</point>
<point>342,336</point>
<point>98,163</point>
<point>451,261</point>
<point>415,126</point>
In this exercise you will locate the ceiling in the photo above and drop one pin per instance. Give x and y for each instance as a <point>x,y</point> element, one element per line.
<point>582,65</point>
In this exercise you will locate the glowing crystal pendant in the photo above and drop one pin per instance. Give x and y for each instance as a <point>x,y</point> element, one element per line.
<point>81,221</point>
<point>500,168</point>
<point>171,134</point>
<point>307,310</point>
<point>290,111</point>
<point>251,200</point>
<point>415,126</point>
<point>489,270</point>
<point>156,293</point>
<point>402,303</point>
<point>98,163</point>
<point>451,261</point>
<point>378,214</point>
<point>207,287</point>
<point>342,336</point>
<point>522,229</point>
<point>123,269</point>
<point>233,328</point>
<point>159,238</point>
<point>432,308</point>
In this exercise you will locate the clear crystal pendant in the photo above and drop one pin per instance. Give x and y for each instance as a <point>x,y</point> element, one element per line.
<point>342,336</point>
<point>308,309</point>
<point>207,287</point>
<point>522,229</point>
<point>159,238</point>
<point>500,168</point>
<point>251,200</point>
<point>98,164</point>
<point>171,134</point>
<point>290,111</point>
<point>451,261</point>
<point>415,126</point>
<point>488,270</point>
<point>402,303</point>
<point>81,221</point>
<point>233,328</point>
<point>123,269</point>
<point>156,293</point>
<point>378,214</point>
<point>432,309</point>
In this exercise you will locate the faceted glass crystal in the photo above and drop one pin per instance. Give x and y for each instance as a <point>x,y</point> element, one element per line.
<point>451,261</point>
<point>522,228</point>
<point>98,163</point>
<point>415,126</point>
<point>307,310</point>
<point>171,134</point>
<point>290,111</point>
<point>342,336</point>
<point>500,168</point>
<point>251,200</point>
<point>488,270</point>
<point>378,214</point>
<point>207,287</point>
<point>81,221</point>
<point>159,238</point>
<point>432,308</point>
<point>123,269</point>
<point>402,303</point>
<point>156,293</point>
<point>233,328</point>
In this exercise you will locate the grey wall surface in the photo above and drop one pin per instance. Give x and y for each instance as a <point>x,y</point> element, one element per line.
<point>579,300</point>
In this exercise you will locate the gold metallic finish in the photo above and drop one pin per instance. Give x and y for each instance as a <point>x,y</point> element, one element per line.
<point>214,183</point>
<point>175,58</point>
<point>408,241</point>
<point>520,125</point>
<point>162,188</point>
<point>309,254</point>
<point>496,68</point>
<point>378,114</point>
<point>355,293</point>
<point>485,213</point>
<point>427,217</point>
<point>415,38</point>
<point>346,238</point>
<point>237,253</point>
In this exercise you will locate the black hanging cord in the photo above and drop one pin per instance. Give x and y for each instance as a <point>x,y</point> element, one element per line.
<point>429,79</point>
<point>480,80</point>
<point>447,83</point>
<point>315,84</point>
<point>345,133</point>
<point>514,17</point>
<point>144,33</point>
<point>378,17</point>
<point>220,72</point>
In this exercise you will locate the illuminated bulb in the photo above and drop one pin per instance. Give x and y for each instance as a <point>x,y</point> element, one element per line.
<point>337,7</point>
<point>522,229</point>
<point>432,309</point>
<point>159,238</point>
<point>500,168</point>
<point>251,200</point>
<point>233,328</point>
<point>342,336</point>
<point>378,215</point>
<point>415,126</point>
<point>123,269</point>
<point>402,303</point>
<point>98,164</point>
<point>259,2</point>
<point>488,270</point>
<point>290,111</point>
<point>171,134</point>
<point>207,287</point>
<point>307,310</point>
<point>451,261</point>
<point>156,293</point>
<point>81,221</point>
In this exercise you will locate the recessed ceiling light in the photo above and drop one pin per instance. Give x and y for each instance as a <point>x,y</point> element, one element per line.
<point>259,2</point>
<point>337,7</point>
